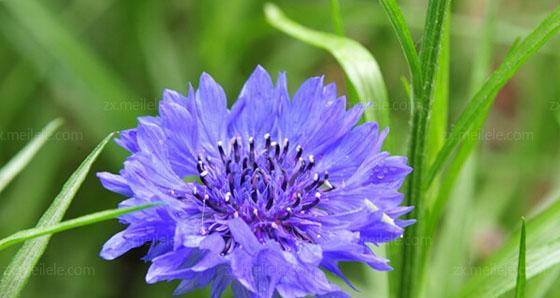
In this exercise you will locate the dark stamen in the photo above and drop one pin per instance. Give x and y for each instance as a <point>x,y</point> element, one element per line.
<point>235,143</point>
<point>200,167</point>
<point>314,203</point>
<point>311,162</point>
<point>288,214</point>
<point>203,178</point>
<point>313,184</point>
<point>298,200</point>
<point>252,152</point>
<point>221,150</point>
<point>270,164</point>
<point>276,150</point>
<point>270,201</point>
<point>196,194</point>
<point>231,180</point>
<point>267,141</point>
<point>299,152</point>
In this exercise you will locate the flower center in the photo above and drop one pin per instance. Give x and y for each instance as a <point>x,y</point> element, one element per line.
<point>267,186</point>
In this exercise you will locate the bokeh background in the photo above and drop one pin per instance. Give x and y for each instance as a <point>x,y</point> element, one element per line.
<point>100,64</point>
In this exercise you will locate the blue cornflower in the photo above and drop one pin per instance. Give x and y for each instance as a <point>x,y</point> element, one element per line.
<point>262,196</point>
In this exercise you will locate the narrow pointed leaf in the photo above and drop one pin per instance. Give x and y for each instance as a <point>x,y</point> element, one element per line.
<point>18,162</point>
<point>359,65</point>
<point>480,104</point>
<point>81,221</point>
<point>20,268</point>
<point>497,276</point>
<point>521,278</point>
<point>400,27</point>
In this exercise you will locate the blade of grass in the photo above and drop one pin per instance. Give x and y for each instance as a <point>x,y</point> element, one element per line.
<point>414,251</point>
<point>336,18</point>
<point>481,68</point>
<point>358,64</point>
<point>480,104</point>
<point>400,27</point>
<point>18,162</point>
<point>81,221</point>
<point>497,275</point>
<point>539,260</point>
<point>521,278</point>
<point>20,268</point>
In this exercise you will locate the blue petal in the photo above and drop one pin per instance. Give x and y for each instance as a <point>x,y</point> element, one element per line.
<point>244,236</point>
<point>211,111</point>
<point>127,140</point>
<point>220,283</point>
<point>115,183</point>
<point>239,291</point>
<point>256,110</point>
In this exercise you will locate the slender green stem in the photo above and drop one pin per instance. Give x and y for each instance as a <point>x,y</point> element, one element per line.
<point>413,248</point>
<point>85,220</point>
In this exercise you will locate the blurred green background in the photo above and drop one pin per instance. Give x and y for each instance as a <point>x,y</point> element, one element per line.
<point>100,64</point>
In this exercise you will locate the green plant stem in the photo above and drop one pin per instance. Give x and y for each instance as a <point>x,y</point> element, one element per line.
<point>413,250</point>
<point>85,220</point>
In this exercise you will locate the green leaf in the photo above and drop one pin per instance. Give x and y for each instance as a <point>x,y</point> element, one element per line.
<point>20,268</point>
<point>398,22</point>
<point>336,18</point>
<point>414,256</point>
<point>498,275</point>
<point>482,64</point>
<point>358,64</point>
<point>521,278</point>
<point>479,106</point>
<point>81,221</point>
<point>18,162</point>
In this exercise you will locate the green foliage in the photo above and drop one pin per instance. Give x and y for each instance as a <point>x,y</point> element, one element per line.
<point>479,106</point>
<point>498,275</point>
<point>359,65</point>
<point>521,275</point>
<point>100,64</point>
<point>85,220</point>
<point>22,159</point>
<point>18,272</point>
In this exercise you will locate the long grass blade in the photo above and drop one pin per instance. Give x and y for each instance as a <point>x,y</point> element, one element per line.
<point>22,158</point>
<point>358,64</point>
<point>481,69</point>
<point>400,27</point>
<point>498,275</point>
<point>480,104</point>
<point>81,221</point>
<point>413,256</point>
<point>20,268</point>
<point>521,276</point>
